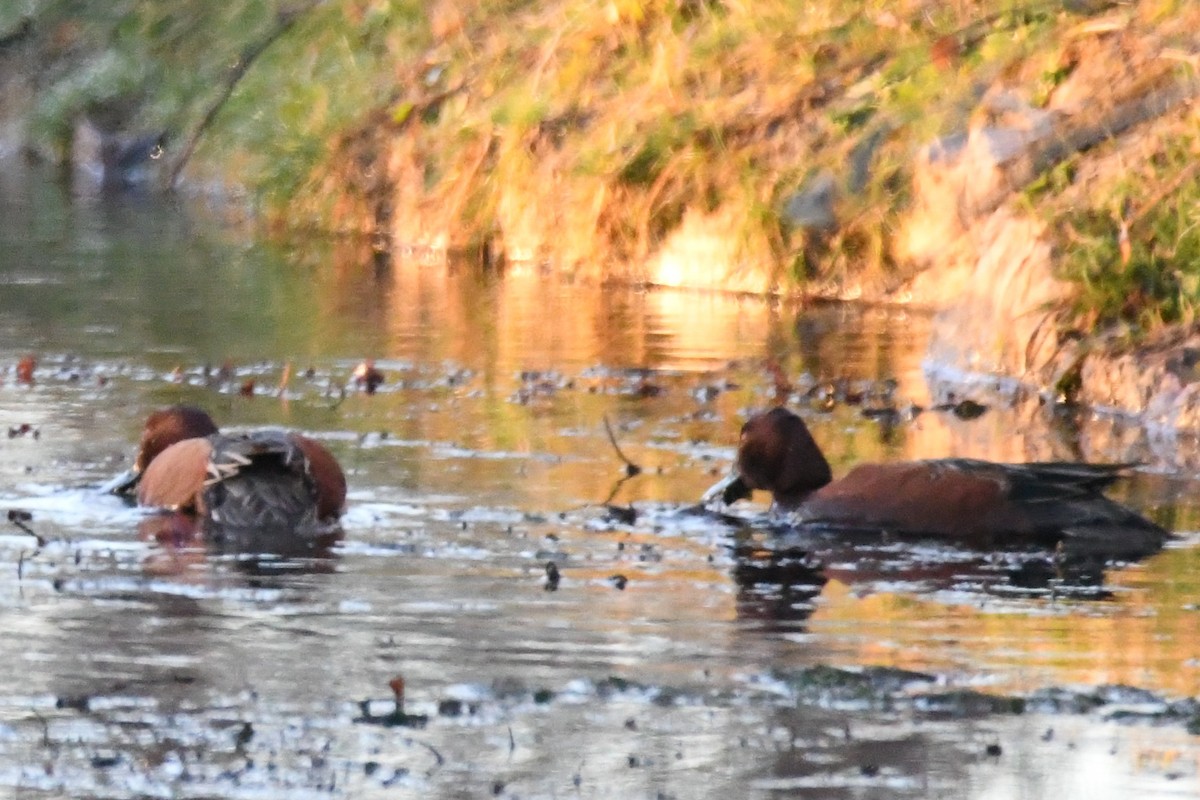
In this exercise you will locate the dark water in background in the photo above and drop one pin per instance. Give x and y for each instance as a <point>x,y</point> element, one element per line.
<point>131,671</point>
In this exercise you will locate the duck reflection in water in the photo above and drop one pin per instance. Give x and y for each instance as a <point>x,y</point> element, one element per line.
<point>936,523</point>
<point>260,492</point>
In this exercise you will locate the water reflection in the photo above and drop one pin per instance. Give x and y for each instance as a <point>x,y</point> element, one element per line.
<point>185,545</point>
<point>481,458</point>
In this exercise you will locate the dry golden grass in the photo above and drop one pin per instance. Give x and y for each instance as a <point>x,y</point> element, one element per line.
<point>661,141</point>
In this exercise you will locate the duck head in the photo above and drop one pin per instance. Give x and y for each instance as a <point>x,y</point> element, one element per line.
<point>163,428</point>
<point>776,453</point>
<point>169,425</point>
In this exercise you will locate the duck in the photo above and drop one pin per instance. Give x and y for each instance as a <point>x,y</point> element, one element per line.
<point>979,504</point>
<point>264,480</point>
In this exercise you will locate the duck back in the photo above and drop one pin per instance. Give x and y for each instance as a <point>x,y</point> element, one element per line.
<point>260,480</point>
<point>987,505</point>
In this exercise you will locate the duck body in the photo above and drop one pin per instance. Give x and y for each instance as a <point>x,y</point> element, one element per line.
<point>977,503</point>
<point>270,481</point>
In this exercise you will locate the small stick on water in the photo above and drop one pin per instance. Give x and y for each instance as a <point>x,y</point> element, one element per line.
<point>631,468</point>
<point>45,729</point>
<point>19,518</point>
<point>283,382</point>
<point>440,760</point>
<point>512,743</point>
<point>341,397</point>
<point>616,488</point>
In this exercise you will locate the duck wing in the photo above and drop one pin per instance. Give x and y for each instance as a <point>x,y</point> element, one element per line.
<point>175,478</point>
<point>1064,502</point>
<point>1052,480</point>
<point>260,480</point>
<point>986,505</point>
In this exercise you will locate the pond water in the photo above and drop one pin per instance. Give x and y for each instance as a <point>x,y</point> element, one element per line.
<point>680,655</point>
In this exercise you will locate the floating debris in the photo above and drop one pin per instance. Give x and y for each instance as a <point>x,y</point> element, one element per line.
<point>24,429</point>
<point>965,409</point>
<point>25,369</point>
<point>21,519</point>
<point>552,577</point>
<point>367,377</point>
<point>244,735</point>
<point>622,515</point>
<point>397,717</point>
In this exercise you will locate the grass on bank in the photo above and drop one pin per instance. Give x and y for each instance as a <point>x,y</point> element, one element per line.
<point>669,106</point>
<point>609,122</point>
<point>1150,282</point>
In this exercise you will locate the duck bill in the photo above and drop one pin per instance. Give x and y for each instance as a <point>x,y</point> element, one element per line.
<point>123,483</point>
<point>726,491</point>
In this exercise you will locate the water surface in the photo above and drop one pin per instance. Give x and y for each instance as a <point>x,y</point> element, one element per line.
<point>139,671</point>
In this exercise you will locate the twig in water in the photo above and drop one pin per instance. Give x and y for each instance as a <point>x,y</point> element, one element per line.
<point>437,756</point>
<point>18,517</point>
<point>285,380</point>
<point>631,468</point>
<point>616,488</point>
<point>340,398</point>
<point>45,728</point>
<point>512,743</point>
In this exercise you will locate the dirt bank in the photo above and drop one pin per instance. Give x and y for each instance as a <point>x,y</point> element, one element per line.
<point>997,237</point>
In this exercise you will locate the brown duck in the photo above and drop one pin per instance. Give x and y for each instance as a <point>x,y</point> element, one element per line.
<point>976,503</point>
<point>271,479</point>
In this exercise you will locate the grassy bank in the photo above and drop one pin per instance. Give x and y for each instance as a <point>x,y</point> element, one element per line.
<point>590,136</point>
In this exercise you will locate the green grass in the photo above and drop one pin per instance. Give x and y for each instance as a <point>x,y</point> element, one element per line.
<point>1159,285</point>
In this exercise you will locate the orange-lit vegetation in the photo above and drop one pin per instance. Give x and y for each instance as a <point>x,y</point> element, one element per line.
<point>600,131</point>
<point>745,146</point>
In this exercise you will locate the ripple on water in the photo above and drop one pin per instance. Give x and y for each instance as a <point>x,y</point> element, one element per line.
<point>133,670</point>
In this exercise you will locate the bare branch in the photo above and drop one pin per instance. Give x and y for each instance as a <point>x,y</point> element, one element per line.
<point>285,20</point>
<point>631,468</point>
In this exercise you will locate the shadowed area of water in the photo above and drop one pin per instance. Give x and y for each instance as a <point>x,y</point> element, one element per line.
<point>679,655</point>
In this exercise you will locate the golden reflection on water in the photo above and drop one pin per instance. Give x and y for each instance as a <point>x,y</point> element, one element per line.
<point>1148,635</point>
<point>525,321</point>
<point>499,326</point>
<point>456,344</point>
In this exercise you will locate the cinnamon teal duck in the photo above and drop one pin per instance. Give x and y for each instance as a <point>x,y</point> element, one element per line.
<point>260,480</point>
<point>980,504</point>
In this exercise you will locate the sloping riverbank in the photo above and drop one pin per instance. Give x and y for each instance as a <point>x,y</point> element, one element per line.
<point>1026,170</point>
